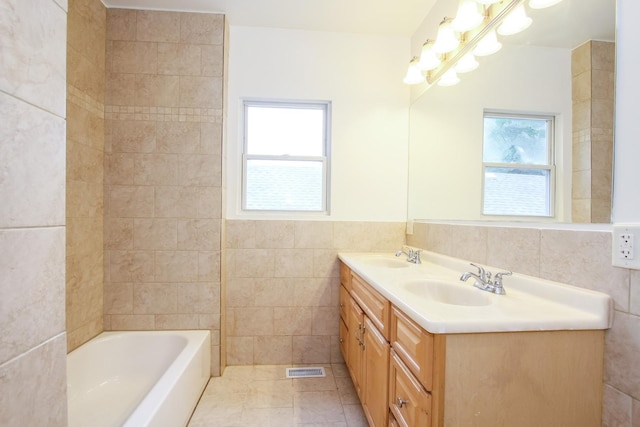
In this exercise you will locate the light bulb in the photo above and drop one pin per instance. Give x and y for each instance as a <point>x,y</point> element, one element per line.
<point>446,41</point>
<point>470,15</point>
<point>488,45</point>
<point>467,63</point>
<point>515,22</point>
<point>449,78</point>
<point>414,74</point>
<point>541,4</point>
<point>428,58</point>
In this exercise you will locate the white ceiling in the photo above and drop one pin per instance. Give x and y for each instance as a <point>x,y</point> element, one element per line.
<point>384,17</point>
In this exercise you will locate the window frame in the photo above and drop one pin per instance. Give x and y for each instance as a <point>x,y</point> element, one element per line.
<point>550,166</point>
<point>324,106</point>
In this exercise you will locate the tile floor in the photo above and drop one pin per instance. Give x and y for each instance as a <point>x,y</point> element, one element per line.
<point>262,395</point>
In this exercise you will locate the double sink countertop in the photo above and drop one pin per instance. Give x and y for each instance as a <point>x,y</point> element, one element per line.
<point>432,294</point>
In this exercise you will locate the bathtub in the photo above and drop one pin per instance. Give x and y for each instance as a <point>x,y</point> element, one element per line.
<point>137,379</point>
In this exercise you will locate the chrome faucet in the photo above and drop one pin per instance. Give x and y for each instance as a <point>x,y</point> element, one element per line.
<point>483,280</point>
<point>413,255</point>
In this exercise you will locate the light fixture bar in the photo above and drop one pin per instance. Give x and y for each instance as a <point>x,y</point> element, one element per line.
<point>497,13</point>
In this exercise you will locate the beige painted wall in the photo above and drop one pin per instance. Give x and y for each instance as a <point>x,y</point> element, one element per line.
<point>32,218</point>
<point>163,172</point>
<point>577,257</point>
<point>86,30</point>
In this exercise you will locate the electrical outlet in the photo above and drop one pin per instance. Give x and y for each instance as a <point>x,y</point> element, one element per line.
<point>623,251</point>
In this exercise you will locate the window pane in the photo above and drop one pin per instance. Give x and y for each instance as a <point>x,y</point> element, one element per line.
<point>283,185</point>
<point>285,131</point>
<point>510,191</point>
<point>516,140</point>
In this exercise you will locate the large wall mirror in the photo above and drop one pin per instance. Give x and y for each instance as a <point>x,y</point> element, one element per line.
<point>563,66</point>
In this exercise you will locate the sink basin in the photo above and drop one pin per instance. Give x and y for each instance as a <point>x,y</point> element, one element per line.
<point>385,262</point>
<point>448,293</point>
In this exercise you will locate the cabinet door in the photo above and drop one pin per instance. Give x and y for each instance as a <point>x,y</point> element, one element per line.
<point>376,375</point>
<point>345,276</point>
<point>373,303</point>
<point>414,345</point>
<point>344,340</point>
<point>344,303</point>
<point>354,350</point>
<point>408,401</point>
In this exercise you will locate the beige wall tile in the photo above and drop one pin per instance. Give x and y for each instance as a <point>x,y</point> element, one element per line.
<point>176,266</point>
<point>603,55</point>
<point>155,169</point>
<point>84,126</point>
<point>198,298</point>
<point>272,350</point>
<point>33,298</point>
<point>325,263</point>
<point>32,386</point>
<point>120,89</point>
<point>157,26</point>
<point>622,346</point>
<point>133,136</point>
<point>118,298</point>
<point>201,28</point>
<point>515,249</point>
<point>240,234</point>
<point>199,234</point>
<point>617,408</point>
<point>178,137</point>
<point>200,92</point>
<point>131,201</point>
<point>176,202</point>
<point>240,292</point>
<point>315,292</point>
<point>118,233</point>
<point>292,320</point>
<point>84,163</point>
<point>200,170</point>
<point>239,350</point>
<point>210,138</point>
<point>156,90</point>
<point>209,266</point>
<point>325,320</point>
<point>177,321</point>
<point>121,24</point>
<point>118,168</point>
<point>33,55</point>
<point>269,292</point>
<point>33,148</point>
<point>581,59</point>
<point>179,59</point>
<point>155,298</point>
<point>212,61</point>
<point>313,234</point>
<point>294,263</point>
<point>311,349</point>
<point>254,263</point>
<point>155,234</point>
<point>125,322</point>
<point>84,199</point>
<point>591,269</point>
<point>634,305</point>
<point>131,266</point>
<point>134,57</point>
<point>635,413</point>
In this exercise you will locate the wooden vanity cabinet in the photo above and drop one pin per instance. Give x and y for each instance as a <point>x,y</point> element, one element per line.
<point>367,350</point>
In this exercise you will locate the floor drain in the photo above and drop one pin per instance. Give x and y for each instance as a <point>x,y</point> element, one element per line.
<point>305,372</point>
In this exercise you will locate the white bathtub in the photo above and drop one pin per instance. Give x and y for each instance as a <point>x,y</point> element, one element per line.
<point>138,379</point>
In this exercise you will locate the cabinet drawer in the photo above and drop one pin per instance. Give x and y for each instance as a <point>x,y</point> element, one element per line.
<point>392,421</point>
<point>414,345</point>
<point>375,305</point>
<point>408,401</point>
<point>344,303</point>
<point>345,276</point>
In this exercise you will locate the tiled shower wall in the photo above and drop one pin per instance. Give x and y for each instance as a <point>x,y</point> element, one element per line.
<point>577,257</point>
<point>86,29</point>
<point>593,93</point>
<point>163,172</point>
<point>32,213</point>
<point>283,282</point>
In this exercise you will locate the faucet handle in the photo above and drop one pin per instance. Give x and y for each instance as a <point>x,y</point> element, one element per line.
<point>481,272</point>
<point>498,277</point>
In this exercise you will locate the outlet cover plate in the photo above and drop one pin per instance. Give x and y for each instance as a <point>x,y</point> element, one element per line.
<point>624,250</point>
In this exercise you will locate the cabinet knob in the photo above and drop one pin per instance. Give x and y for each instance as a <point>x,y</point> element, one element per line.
<point>402,402</point>
<point>341,340</point>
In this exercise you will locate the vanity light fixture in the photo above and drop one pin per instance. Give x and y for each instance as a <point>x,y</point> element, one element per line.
<point>428,58</point>
<point>414,73</point>
<point>467,63</point>
<point>470,14</point>
<point>541,4</point>
<point>449,78</point>
<point>515,22</point>
<point>446,40</point>
<point>488,45</point>
<point>455,50</point>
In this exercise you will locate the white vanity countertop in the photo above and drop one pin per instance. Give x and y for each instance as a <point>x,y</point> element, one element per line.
<point>453,306</point>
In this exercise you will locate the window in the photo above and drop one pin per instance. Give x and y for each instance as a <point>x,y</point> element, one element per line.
<point>286,161</point>
<point>518,171</point>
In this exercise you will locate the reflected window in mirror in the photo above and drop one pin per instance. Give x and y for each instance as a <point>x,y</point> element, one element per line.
<point>518,165</point>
